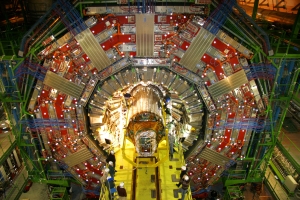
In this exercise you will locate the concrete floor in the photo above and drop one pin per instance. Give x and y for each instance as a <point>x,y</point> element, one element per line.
<point>37,192</point>
<point>250,195</point>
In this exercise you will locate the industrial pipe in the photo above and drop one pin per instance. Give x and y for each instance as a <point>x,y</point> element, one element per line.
<point>45,32</point>
<point>39,22</point>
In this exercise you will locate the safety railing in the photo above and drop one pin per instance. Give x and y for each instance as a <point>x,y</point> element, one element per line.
<point>8,48</point>
<point>296,96</point>
<point>237,174</point>
<point>59,193</point>
<point>233,192</point>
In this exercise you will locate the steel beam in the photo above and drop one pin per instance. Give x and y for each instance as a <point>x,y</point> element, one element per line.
<point>296,26</point>
<point>284,55</point>
<point>255,8</point>
<point>7,152</point>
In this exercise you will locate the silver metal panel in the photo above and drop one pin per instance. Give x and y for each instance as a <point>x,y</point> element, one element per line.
<point>196,109</point>
<point>103,94</point>
<point>88,90</point>
<point>108,88</point>
<point>196,117</point>
<point>105,35</point>
<point>194,104</point>
<point>99,100</point>
<point>228,40</point>
<point>177,111</point>
<point>175,99</point>
<point>257,97</point>
<point>176,107</point>
<point>133,76</point>
<point>178,9</point>
<point>121,80</point>
<point>176,115</point>
<point>78,157</point>
<point>95,10</point>
<point>158,9</point>
<point>33,99</point>
<point>214,157</point>
<point>215,53</point>
<point>228,84</point>
<point>197,49</point>
<point>169,79</point>
<point>162,28</point>
<point>191,99</point>
<point>197,125</point>
<point>96,111</point>
<point>95,104</point>
<point>61,41</point>
<point>148,74</point>
<point>179,53</point>
<point>45,140</point>
<point>159,76</point>
<point>51,111</point>
<point>176,83</point>
<point>92,48</point>
<point>182,87</point>
<point>144,35</point>
<point>114,84</point>
<point>234,134</point>
<point>95,119</point>
<point>200,66</point>
<point>127,28</point>
<point>186,93</point>
<point>126,77</point>
<point>245,51</point>
<point>63,85</point>
<point>166,77</point>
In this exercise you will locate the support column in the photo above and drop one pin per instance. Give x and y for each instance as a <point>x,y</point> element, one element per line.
<point>2,171</point>
<point>296,26</point>
<point>255,7</point>
<point>143,6</point>
<point>11,168</point>
<point>17,158</point>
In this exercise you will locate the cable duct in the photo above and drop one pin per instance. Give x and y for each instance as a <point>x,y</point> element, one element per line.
<point>35,29</point>
<point>38,26</point>
<point>45,32</point>
<point>266,41</point>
